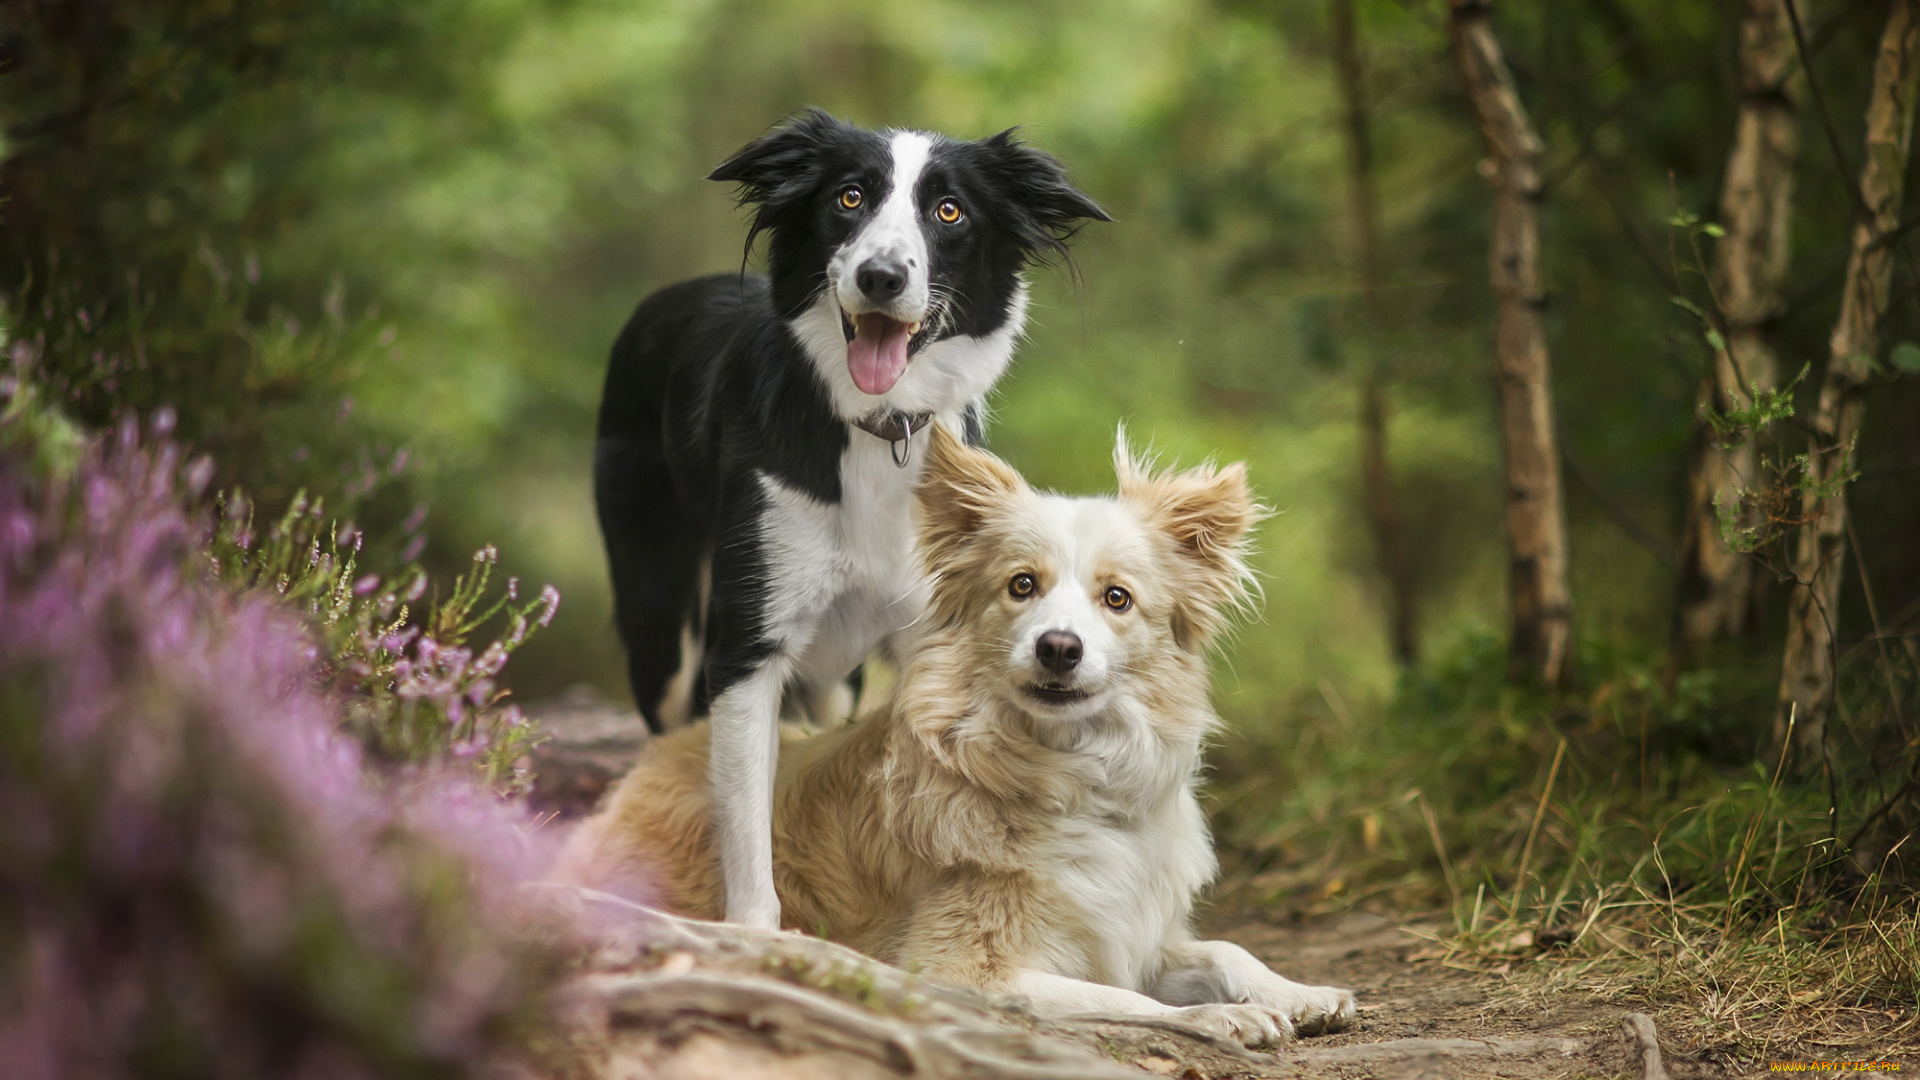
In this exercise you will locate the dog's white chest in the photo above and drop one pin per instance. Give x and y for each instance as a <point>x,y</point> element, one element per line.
<point>1133,882</point>
<point>875,516</point>
<point>842,576</point>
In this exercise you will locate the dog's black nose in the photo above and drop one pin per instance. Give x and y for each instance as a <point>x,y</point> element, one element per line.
<point>881,279</point>
<point>1058,651</point>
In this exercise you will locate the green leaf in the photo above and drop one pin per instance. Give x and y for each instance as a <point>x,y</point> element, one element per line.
<point>1713,230</point>
<point>1714,339</point>
<point>1689,305</point>
<point>1905,358</point>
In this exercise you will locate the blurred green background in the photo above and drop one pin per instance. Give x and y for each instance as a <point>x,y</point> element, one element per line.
<point>381,250</point>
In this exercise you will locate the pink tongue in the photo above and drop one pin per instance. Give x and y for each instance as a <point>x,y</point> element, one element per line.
<point>877,355</point>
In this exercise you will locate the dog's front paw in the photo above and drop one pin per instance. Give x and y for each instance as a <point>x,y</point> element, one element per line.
<point>1248,1025</point>
<point>1314,1010</point>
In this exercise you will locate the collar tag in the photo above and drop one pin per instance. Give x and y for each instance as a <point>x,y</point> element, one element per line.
<point>897,428</point>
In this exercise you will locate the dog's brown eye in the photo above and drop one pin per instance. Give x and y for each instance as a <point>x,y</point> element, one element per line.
<point>948,211</point>
<point>1118,598</point>
<point>851,198</point>
<point>1021,586</point>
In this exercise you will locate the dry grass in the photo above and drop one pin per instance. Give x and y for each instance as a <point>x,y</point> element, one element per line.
<point>1762,988</point>
<point>1564,847</point>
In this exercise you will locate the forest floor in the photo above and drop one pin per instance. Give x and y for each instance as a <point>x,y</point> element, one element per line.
<point>1419,1017</point>
<point>687,1000</point>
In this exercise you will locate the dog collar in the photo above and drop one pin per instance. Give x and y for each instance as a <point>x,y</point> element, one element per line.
<point>896,428</point>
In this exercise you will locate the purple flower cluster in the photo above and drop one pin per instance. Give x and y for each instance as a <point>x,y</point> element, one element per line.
<point>415,689</point>
<point>199,876</point>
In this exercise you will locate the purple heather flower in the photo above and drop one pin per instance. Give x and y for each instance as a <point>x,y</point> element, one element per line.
<point>198,475</point>
<point>491,661</point>
<point>198,835</point>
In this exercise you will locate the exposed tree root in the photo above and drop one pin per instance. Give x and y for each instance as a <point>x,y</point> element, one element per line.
<point>660,990</point>
<point>799,1021</point>
<point>1640,1027</point>
<point>1224,1047</point>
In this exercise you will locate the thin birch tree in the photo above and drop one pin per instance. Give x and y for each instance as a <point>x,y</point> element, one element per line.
<point>1720,590</point>
<point>1535,514</point>
<point>1819,556</point>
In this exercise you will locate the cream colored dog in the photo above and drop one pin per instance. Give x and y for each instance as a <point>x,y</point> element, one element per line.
<point>1021,815</point>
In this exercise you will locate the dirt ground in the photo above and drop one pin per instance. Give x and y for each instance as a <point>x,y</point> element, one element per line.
<point>1418,1017</point>
<point>1414,1002</point>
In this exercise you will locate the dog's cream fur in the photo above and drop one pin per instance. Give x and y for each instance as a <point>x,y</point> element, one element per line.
<point>981,830</point>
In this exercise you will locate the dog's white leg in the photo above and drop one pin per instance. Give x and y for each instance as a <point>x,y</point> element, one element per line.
<point>843,638</point>
<point>746,744</point>
<point>1060,997</point>
<point>1201,971</point>
<point>828,706</point>
<point>1057,995</point>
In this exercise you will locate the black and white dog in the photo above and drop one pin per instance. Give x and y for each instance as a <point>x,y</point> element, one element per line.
<point>755,464</point>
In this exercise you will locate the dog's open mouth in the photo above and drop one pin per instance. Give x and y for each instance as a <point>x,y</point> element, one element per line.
<point>1056,695</point>
<point>876,349</point>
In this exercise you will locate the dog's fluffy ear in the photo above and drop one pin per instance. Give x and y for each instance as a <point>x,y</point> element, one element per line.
<point>1209,513</point>
<point>960,487</point>
<point>773,160</point>
<point>1048,208</point>
<point>782,166</point>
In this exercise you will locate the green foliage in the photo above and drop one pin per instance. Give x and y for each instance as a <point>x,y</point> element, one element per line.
<point>413,689</point>
<point>1905,358</point>
<point>162,167</point>
<point>1770,406</point>
<point>1767,405</point>
<point>1768,512</point>
<point>1625,824</point>
<point>32,428</point>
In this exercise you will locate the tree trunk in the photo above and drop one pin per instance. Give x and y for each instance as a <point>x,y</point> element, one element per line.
<point>1807,668</point>
<point>1383,510</point>
<point>1719,588</point>
<point>1383,514</point>
<point>1536,518</point>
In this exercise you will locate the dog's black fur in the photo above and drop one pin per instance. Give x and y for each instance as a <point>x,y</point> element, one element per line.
<point>710,387</point>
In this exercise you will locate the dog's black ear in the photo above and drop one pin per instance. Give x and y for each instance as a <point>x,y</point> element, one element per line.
<point>960,487</point>
<point>764,165</point>
<point>781,166</point>
<point>1049,210</point>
